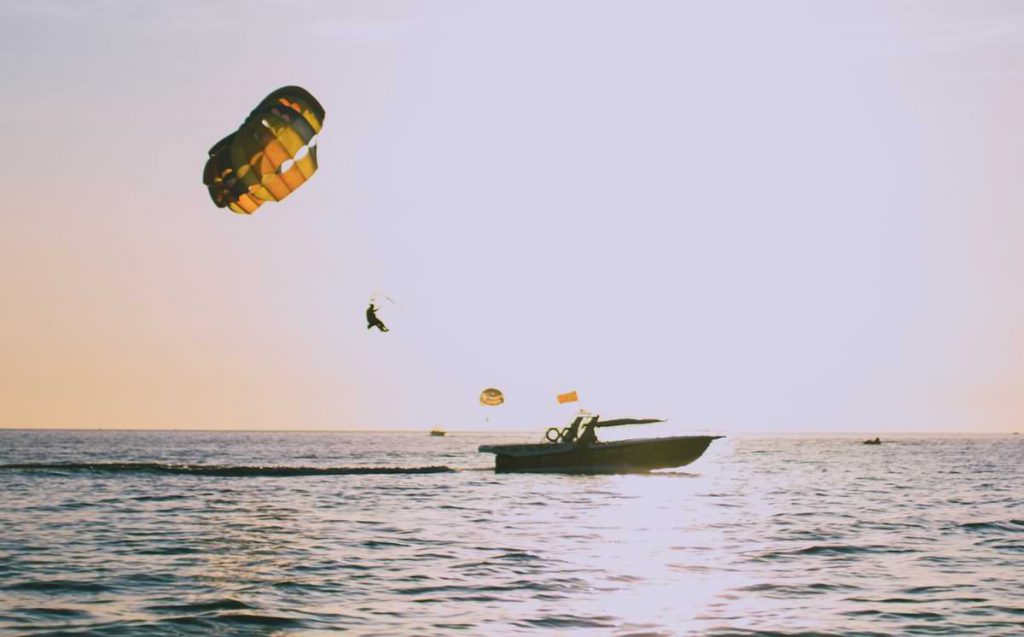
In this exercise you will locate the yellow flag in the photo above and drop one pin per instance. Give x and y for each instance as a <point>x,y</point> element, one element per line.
<point>570,397</point>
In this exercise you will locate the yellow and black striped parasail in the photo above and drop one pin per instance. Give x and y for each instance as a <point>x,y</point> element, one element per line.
<point>271,154</point>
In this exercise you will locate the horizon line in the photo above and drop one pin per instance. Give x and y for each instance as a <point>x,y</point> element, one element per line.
<point>532,430</point>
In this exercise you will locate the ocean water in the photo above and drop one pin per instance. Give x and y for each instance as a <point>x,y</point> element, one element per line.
<point>761,536</point>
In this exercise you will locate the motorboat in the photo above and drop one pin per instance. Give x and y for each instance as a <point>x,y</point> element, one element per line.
<point>437,431</point>
<point>576,449</point>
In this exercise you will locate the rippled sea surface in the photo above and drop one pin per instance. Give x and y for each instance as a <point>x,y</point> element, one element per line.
<point>784,535</point>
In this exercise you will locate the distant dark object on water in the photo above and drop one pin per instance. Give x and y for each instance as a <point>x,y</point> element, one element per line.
<point>576,449</point>
<point>437,431</point>
<point>876,441</point>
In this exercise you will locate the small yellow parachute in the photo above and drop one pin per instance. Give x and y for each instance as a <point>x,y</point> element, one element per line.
<point>271,154</point>
<point>491,397</point>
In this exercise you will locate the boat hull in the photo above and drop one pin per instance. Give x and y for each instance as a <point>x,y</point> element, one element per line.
<point>626,456</point>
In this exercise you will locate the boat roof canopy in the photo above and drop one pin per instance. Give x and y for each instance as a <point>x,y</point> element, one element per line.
<point>626,421</point>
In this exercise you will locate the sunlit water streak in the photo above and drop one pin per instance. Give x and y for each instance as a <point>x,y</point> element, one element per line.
<point>761,536</point>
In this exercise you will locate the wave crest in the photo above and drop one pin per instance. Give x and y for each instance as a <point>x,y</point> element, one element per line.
<point>216,470</point>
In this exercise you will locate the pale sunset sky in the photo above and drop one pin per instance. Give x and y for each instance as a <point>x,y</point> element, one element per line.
<point>740,216</point>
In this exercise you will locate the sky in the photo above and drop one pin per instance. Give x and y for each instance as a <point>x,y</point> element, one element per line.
<point>740,216</point>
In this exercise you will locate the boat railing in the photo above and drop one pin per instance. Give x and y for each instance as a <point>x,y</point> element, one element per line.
<point>627,421</point>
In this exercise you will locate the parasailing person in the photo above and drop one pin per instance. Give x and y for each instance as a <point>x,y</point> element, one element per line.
<point>372,320</point>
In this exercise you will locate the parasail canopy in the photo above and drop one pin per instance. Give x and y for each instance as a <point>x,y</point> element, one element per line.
<point>491,397</point>
<point>271,154</point>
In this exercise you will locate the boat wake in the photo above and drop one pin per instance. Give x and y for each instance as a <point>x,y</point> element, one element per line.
<point>217,470</point>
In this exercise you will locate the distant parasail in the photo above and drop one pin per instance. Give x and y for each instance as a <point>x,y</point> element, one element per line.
<point>491,397</point>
